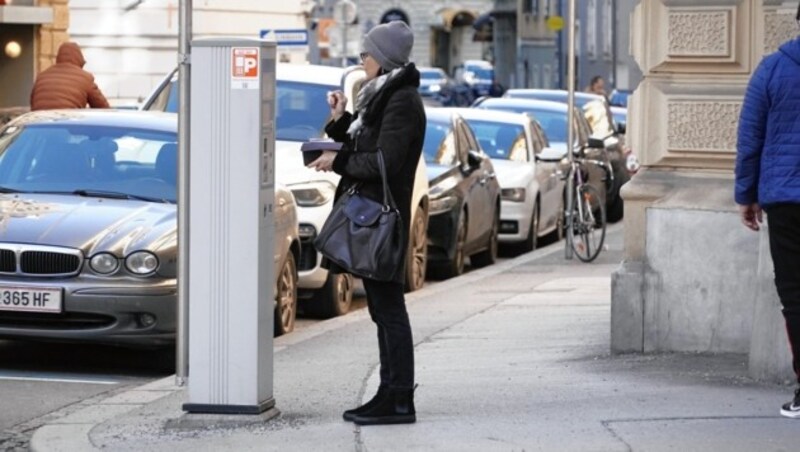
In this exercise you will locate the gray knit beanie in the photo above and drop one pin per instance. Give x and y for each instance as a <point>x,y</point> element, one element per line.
<point>389,44</point>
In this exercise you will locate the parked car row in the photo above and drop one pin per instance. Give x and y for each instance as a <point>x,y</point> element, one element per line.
<point>604,122</point>
<point>89,250</point>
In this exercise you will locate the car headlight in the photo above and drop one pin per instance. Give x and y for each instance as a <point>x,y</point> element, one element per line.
<point>141,262</point>
<point>435,88</point>
<point>441,205</point>
<point>104,263</point>
<point>513,194</point>
<point>313,194</point>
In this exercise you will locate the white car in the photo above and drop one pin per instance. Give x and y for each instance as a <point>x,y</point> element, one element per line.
<point>301,114</point>
<point>531,190</point>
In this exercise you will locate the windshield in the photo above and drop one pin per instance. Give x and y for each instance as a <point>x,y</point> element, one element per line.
<point>553,123</point>
<point>481,74</point>
<point>301,108</point>
<point>57,158</point>
<point>500,140</point>
<point>581,99</point>
<point>440,144</point>
<point>431,75</point>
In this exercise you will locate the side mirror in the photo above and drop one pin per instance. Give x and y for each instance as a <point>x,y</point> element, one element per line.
<point>595,143</point>
<point>551,155</point>
<point>474,159</point>
<point>620,127</point>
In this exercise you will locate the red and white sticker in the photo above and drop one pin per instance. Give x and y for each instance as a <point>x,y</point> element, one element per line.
<point>245,67</point>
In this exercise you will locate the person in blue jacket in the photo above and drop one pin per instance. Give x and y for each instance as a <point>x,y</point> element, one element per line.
<point>768,178</point>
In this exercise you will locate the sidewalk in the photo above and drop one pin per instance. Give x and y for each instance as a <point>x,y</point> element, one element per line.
<point>514,357</point>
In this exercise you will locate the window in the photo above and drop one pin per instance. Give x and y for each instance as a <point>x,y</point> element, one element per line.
<point>301,110</point>
<point>591,28</point>
<point>63,158</point>
<point>539,137</point>
<point>439,146</point>
<point>608,28</point>
<point>502,141</point>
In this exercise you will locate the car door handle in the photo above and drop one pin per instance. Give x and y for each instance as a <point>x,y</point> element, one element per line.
<point>486,177</point>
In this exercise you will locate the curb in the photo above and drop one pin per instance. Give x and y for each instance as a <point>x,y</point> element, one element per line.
<point>72,432</point>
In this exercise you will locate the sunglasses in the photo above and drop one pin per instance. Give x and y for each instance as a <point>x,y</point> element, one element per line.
<point>363,55</point>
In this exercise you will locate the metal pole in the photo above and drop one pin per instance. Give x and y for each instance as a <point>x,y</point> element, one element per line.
<point>184,72</point>
<point>570,119</point>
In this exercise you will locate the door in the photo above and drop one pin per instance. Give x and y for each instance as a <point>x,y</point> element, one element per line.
<point>480,179</point>
<point>548,178</point>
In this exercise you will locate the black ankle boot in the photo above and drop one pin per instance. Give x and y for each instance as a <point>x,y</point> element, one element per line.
<point>396,408</point>
<point>382,391</point>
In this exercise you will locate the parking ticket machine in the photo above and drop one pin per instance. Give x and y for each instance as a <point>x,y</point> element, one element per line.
<point>231,229</point>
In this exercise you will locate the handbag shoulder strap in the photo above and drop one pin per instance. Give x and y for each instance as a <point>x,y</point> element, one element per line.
<point>387,196</point>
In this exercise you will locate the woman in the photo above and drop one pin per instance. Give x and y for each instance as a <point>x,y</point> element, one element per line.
<point>388,116</point>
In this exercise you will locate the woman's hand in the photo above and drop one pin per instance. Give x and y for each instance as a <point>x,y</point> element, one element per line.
<point>337,101</point>
<point>324,162</point>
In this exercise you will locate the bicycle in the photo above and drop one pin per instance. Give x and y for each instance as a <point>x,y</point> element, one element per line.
<point>585,219</point>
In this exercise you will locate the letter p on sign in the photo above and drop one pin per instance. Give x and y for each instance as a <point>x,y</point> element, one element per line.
<point>245,62</point>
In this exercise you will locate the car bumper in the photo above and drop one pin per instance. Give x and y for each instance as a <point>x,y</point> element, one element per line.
<point>310,275</point>
<point>441,236</point>
<point>515,221</point>
<point>102,312</point>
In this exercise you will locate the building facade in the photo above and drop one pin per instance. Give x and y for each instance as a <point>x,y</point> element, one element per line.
<point>30,33</point>
<point>444,35</point>
<point>694,279</point>
<point>131,45</point>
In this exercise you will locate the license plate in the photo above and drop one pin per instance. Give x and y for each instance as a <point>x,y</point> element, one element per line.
<point>29,299</point>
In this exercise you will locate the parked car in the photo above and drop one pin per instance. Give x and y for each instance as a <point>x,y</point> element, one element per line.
<point>478,75</point>
<point>464,196</point>
<point>88,229</point>
<point>553,118</point>
<point>595,107</point>
<point>531,190</point>
<point>438,89</point>
<point>301,112</point>
<point>553,95</point>
<point>619,98</point>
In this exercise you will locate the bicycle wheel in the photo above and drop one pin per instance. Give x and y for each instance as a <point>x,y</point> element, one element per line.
<point>588,229</point>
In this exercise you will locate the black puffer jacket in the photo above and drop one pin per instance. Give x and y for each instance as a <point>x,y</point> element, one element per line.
<point>395,123</point>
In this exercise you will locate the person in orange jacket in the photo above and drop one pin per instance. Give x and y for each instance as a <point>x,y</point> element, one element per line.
<point>66,84</point>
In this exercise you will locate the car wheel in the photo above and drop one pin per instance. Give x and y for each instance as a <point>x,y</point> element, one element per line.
<point>286,297</point>
<point>456,266</point>
<point>531,241</point>
<point>615,210</point>
<point>333,299</point>
<point>558,234</point>
<point>614,203</point>
<point>417,258</point>
<point>489,255</point>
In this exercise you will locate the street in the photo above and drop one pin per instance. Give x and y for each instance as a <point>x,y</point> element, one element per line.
<point>47,380</point>
<point>37,379</point>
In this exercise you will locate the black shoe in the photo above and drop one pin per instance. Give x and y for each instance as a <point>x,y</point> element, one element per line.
<point>350,414</point>
<point>792,409</point>
<point>396,408</point>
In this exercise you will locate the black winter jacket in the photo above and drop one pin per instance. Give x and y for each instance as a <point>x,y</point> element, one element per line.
<point>395,123</point>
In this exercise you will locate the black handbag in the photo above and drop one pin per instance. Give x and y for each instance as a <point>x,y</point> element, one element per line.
<point>362,236</point>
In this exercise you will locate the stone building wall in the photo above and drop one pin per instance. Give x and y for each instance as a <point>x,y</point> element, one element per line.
<point>51,36</point>
<point>693,279</point>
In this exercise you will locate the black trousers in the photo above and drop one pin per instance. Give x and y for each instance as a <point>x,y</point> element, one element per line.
<point>784,244</point>
<point>387,307</point>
